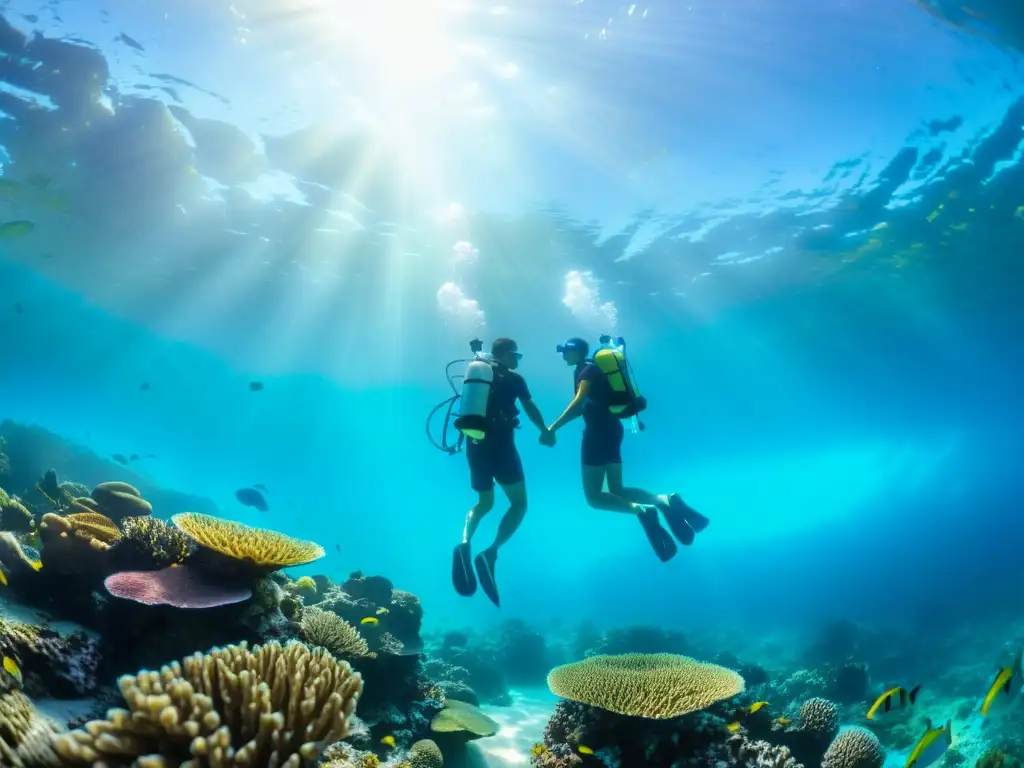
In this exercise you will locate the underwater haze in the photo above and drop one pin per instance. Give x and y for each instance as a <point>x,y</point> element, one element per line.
<point>246,238</point>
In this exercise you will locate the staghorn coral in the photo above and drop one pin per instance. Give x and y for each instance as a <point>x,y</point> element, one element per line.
<point>656,686</point>
<point>855,747</point>
<point>120,500</point>
<point>426,754</point>
<point>333,633</point>
<point>149,543</point>
<point>259,547</point>
<point>25,735</point>
<point>459,717</point>
<point>271,705</point>
<point>14,516</point>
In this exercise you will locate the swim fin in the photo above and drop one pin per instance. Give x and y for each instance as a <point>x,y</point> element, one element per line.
<point>485,562</point>
<point>660,541</point>
<point>462,571</point>
<point>696,520</point>
<point>676,521</point>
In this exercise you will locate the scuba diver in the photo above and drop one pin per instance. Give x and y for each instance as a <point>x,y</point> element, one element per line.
<point>605,395</point>
<point>487,420</point>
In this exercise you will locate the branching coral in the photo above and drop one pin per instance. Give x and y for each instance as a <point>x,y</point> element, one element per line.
<point>855,747</point>
<point>759,754</point>
<point>330,631</point>
<point>233,707</point>
<point>149,542</point>
<point>259,547</point>
<point>25,735</point>
<point>658,685</point>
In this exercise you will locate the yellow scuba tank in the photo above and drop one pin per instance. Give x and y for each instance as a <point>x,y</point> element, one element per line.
<point>476,393</point>
<point>626,400</point>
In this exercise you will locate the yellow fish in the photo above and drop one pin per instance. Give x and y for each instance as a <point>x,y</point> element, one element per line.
<point>370,620</point>
<point>757,705</point>
<point>783,721</point>
<point>894,698</point>
<point>37,565</point>
<point>931,746</point>
<point>585,750</point>
<point>383,611</point>
<point>11,667</point>
<point>1004,689</point>
<point>3,578</point>
<point>16,228</point>
<point>733,727</point>
<point>388,741</point>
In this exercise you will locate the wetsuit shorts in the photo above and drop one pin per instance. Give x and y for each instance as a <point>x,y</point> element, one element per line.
<point>602,443</point>
<point>494,459</point>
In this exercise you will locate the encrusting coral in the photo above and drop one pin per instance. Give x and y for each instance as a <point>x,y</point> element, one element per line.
<point>332,632</point>
<point>264,549</point>
<point>657,685</point>
<point>272,705</point>
<point>855,747</point>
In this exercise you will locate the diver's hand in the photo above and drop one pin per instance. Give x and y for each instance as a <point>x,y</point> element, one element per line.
<point>547,437</point>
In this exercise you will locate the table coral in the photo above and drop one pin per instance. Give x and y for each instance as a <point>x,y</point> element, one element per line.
<point>261,548</point>
<point>177,586</point>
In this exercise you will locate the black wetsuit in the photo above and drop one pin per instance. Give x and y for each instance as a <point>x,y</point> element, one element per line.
<point>602,431</point>
<point>495,458</point>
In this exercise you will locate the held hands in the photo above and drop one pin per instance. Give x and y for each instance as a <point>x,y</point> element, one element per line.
<point>547,437</point>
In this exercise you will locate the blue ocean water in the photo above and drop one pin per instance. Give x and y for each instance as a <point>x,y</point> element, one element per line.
<point>806,218</point>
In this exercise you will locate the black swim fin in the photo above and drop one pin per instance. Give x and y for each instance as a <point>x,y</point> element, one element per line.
<point>485,562</point>
<point>696,520</point>
<point>462,571</point>
<point>677,522</point>
<point>659,538</point>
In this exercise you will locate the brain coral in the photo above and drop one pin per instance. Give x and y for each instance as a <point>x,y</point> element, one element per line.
<point>855,747</point>
<point>655,685</point>
<point>820,717</point>
<point>270,706</point>
<point>330,631</point>
<point>426,754</point>
<point>258,546</point>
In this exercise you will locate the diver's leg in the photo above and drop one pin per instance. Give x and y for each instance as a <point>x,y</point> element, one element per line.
<point>597,451</point>
<point>508,471</point>
<point>638,495</point>
<point>480,473</point>
<point>484,504</point>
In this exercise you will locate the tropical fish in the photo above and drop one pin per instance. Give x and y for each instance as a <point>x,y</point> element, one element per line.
<point>3,578</point>
<point>16,228</point>
<point>585,750</point>
<point>931,746</point>
<point>250,497</point>
<point>388,741</point>
<point>119,458</point>
<point>894,698</point>
<point>11,668</point>
<point>783,721</point>
<point>1004,689</point>
<point>134,457</point>
<point>255,386</point>
<point>733,727</point>
<point>757,705</point>
<point>370,620</point>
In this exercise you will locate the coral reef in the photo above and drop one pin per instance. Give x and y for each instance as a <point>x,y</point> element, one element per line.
<point>759,754</point>
<point>178,586</point>
<point>244,548</point>
<point>14,516</point>
<point>330,631</point>
<point>25,735</point>
<point>426,754</point>
<point>63,666</point>
<point>149,543</point>
<point>297,701</point>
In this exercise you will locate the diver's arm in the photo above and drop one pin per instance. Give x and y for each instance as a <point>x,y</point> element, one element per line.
<point>533,413</point>
<point>575,409</point>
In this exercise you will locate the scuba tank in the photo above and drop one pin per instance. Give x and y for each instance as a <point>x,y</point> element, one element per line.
<point>476,393</point>
<point>626,400</point>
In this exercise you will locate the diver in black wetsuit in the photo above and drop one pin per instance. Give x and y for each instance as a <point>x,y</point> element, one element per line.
<point>495,459</point>
<point>601,459</point>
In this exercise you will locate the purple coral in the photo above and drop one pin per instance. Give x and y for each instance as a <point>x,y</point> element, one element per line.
<point>176,586</point>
